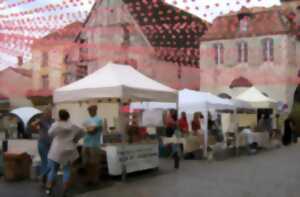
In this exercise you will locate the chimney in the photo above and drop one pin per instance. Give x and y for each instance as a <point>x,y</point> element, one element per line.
<point>20,61</point>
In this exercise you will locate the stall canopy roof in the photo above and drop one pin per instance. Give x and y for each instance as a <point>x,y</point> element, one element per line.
<point>256,98</point>
<point>115,81</point>
<point>190,100</point>
<point>202,100</point>
<point>25,113</point>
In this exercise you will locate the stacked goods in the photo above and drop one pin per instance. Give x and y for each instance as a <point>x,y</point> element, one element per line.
<point>17,166</point>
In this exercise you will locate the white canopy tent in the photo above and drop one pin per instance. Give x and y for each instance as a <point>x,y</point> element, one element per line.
<point>256,98</point>
<point>113,81</point>
<point>191,101</point>
<point>152,105</point>
<point>25,113</point>
<point>121,82</point>
<point>116,81</point>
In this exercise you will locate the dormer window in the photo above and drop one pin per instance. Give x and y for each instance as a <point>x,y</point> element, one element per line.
<point>244,23</point>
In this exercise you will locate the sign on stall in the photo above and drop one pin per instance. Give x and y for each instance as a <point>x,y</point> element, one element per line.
<point>134,157</point>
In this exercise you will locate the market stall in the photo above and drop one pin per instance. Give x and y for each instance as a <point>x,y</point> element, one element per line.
<point>258,101</point>
<point>115,85</point>
<point>191,101</point>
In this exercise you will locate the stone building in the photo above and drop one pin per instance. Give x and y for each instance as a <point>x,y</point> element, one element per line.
<point>14,84</point>
<point>256,46</point>
<point>49,70</point>
<point>156,38</point>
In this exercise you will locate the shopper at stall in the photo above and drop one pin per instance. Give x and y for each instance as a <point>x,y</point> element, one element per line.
<point>20,129</point>
<point>170,123</point>
<point>91,144</point>
<point>183,124</point>
<point>289,130</point>
<point>176,144</point>
<point>196,123</point>
<point>214,129</point>
<point>42,126</point>
<point>63,151</point>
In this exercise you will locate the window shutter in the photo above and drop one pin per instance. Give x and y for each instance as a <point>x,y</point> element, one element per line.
<point>265,48</point>
<point>216,53</point>
<point>245,52</point>
<point>239,52</point>
<point>222,53</point>
<point>271,49</point>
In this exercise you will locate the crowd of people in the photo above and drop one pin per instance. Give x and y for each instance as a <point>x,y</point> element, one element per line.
<point>179,127</point>
<point>58,142</point>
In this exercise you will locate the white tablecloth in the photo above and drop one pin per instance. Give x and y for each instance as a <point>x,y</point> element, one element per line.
<point>261,138</point>
<point>132,157</point>
<point>190,143</point>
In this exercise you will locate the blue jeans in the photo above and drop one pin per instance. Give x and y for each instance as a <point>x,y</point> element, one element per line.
<point>43,149</point>
<point>53,168</point>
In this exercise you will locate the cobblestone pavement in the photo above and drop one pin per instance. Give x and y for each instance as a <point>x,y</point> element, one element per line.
<point>273,173</point>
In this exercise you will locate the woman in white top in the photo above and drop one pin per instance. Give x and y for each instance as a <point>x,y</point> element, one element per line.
<point>63,151</point>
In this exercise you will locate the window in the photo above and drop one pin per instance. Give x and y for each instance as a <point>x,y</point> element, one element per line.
<point>81,72</point>
<point>45,59</point>
<point>219,53</point>
<point>45,82</point>
<point>268,49</point>
<point>66,78</point>
<point>244,24</point>
<point>242,52</point>
<point>83,51</point>
<point>126,35</point>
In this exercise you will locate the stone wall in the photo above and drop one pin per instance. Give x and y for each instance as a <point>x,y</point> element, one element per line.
<point>276,78</point>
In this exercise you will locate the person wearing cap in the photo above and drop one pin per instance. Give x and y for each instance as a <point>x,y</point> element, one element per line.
<point>91,143</point>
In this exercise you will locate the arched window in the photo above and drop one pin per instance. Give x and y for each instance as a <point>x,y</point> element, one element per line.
<point>268,49</point>
<point>241,82</point>
<point>242,52</point>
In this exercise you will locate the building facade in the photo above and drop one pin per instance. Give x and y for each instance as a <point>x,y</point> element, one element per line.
<point>48,64</point>
<point>255,45</point>
<point>14,84</point>
<point>155,38</point>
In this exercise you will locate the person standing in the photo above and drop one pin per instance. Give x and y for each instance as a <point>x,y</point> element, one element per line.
<point>91,144</point>
<point>20,129</point>
<point>176,144</point>
<point>196,123</point>
<point>289,130</point>
<point>183,124</point>
<point>63,151</point>
<point>170,123</point>
<point>43,125</point>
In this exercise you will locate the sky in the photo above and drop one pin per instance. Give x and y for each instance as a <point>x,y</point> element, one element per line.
<point>206,9</point>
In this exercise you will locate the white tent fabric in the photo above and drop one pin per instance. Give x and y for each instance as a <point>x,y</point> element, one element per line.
<point>241,104</point>
<point>197,101</point>
<point>115,81</point>
<point>191,101</point>
<point>152,105</point>
<point>25,113</point>
<point>256,98</point>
